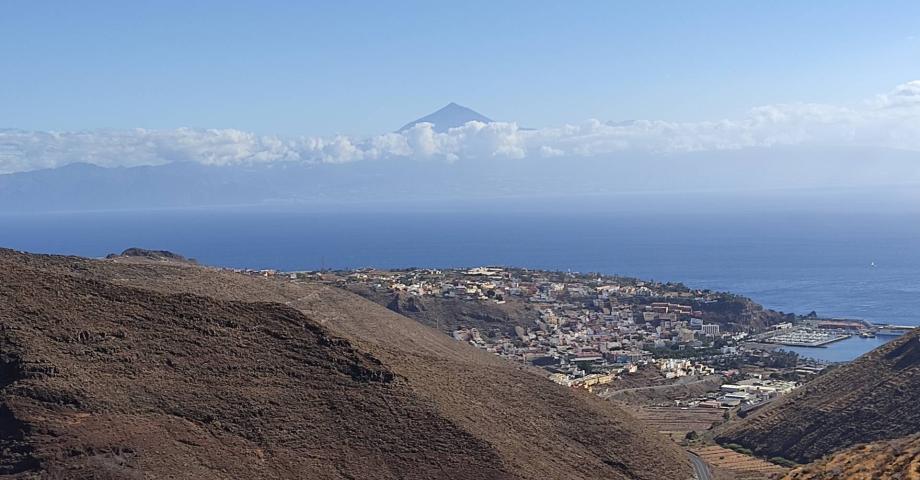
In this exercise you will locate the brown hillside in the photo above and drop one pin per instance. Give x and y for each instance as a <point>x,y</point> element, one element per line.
<point>450,400</point>
<point>872,398</point>
<point>449,314</point>
<point>102,381</point>
<point>897,459</point>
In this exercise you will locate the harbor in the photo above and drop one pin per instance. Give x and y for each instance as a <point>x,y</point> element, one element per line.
<point>831,340</point>
<point>807,337</point>
<point>841,351</point>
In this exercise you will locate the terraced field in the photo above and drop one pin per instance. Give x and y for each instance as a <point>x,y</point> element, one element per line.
<point>677,421</point>
<point>743,467</point>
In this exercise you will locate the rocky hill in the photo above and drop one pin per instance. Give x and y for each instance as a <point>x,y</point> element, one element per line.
<point>124,368</point>
<point>897,459</point>
<point>740,314</point>
<point>449,314</point>
<point>872,398</point>
<point>152,255</point>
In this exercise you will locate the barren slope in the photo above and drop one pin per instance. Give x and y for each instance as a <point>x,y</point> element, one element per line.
<point>102,381</point>
<point>449,314</point>
<point>897,459</point>
<point>535,428</point>
<point>872,398</point>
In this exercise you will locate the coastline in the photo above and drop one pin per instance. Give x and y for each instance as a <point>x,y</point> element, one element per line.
<point>797,268</point>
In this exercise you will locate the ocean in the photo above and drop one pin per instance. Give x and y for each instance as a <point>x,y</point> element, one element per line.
<point>854,266</point>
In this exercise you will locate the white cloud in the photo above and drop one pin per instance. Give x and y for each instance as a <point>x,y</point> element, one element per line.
<point>889,120</point>
<point>547,151</point>
<point>906,95</point>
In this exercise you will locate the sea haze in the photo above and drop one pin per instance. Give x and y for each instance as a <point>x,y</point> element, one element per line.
<point>849,265</point>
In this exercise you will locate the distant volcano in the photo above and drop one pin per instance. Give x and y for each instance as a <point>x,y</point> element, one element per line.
<point>450,116</point>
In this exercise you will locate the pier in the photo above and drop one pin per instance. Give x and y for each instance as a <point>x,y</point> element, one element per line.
<point>892,330</point>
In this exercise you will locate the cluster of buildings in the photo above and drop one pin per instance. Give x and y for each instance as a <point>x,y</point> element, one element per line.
<point>748,393</point>
<point>676,368</point>
<point>591,331</point>
<point>591,328</point>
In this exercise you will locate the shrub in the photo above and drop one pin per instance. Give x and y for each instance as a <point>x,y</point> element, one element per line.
<point>783,462</point>
<point>738,448</point>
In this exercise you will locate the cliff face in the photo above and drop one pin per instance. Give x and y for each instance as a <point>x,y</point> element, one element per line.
<point>127,369</point>
<point>742,314</point>
<point>872,398</point>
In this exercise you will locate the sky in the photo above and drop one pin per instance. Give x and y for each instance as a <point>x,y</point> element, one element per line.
<point>366,68</point>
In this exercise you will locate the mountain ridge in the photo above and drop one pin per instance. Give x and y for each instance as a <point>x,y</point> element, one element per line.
<point>189,184</point>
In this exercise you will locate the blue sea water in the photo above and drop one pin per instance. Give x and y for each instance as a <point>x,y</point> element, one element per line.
<point>857,266</point>
<point>842,351</point>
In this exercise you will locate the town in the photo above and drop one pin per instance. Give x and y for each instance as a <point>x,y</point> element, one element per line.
<point>604,333</point>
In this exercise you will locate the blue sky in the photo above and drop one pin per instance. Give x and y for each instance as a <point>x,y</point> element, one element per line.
<point>360,68</point>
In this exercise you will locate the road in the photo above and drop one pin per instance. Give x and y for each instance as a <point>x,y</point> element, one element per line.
<point>700,468</point>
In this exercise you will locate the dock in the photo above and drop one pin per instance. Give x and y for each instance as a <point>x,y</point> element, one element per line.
<point>807,338</point>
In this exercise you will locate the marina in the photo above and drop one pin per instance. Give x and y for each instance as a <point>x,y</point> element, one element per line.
<point>842,351</point>
<point>805,337</point>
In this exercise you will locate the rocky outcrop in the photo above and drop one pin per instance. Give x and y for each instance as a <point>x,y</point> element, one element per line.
<point>153,255</point>
<point>449,314</point>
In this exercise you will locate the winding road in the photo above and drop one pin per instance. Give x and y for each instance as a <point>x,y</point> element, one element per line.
<point>700,468</point>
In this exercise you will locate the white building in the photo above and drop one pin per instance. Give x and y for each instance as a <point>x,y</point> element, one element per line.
<point>711,330</point>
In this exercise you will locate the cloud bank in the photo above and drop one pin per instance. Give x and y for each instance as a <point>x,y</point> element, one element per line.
<point>890,120</point>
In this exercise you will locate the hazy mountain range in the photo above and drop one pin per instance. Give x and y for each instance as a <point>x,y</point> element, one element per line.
<point>83,186</point>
